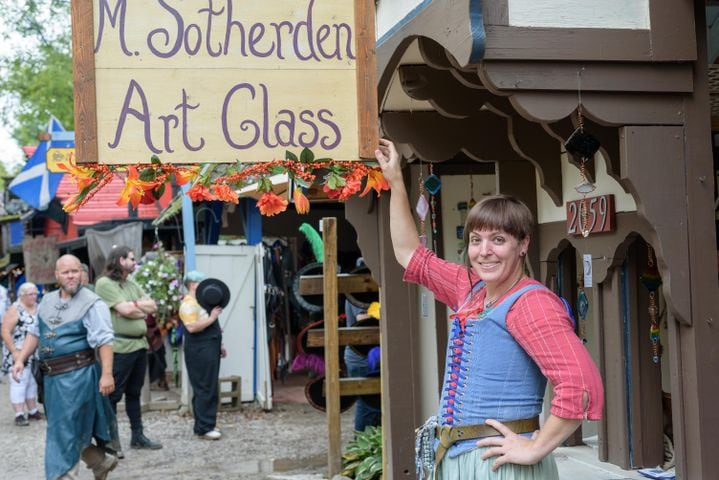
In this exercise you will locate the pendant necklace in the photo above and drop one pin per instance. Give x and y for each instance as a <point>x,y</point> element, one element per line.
<point>488,305</point>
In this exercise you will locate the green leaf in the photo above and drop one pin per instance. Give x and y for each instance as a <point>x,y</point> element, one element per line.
<point>277,169</point>
<point>334,181</point>
<point>147,174</point>
<point>157,193</point>
<point>307,156</point>
<point>290,156</point>
<point>155,160</point>
<point>264,185</point>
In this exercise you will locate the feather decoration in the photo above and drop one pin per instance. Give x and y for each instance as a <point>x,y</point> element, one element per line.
<point>315,240</point>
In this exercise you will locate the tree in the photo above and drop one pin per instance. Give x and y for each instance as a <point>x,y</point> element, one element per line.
<point>36,75</point>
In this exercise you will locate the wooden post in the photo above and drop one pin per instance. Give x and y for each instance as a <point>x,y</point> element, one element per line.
<point>332,360</point>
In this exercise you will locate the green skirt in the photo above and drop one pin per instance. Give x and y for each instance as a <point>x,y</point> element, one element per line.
<point>470,466</point>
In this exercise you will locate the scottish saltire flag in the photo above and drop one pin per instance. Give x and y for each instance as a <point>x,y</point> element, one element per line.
<point>35,184</point>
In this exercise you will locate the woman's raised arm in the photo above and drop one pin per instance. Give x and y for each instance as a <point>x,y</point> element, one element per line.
<point>405,239</point>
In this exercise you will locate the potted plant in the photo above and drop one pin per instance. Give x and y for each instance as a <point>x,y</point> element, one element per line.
<point>362,459</point>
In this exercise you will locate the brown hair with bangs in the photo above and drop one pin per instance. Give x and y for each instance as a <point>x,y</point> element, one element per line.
<point>498,212</point>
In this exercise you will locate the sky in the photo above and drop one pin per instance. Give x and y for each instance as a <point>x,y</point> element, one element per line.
<point>10,153</point>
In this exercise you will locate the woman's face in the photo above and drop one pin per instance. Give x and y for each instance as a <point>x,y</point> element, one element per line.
<point>496,255</point>
<point>29,298</point>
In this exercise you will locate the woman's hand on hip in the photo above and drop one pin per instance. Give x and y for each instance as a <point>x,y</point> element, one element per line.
<point>510,447</point>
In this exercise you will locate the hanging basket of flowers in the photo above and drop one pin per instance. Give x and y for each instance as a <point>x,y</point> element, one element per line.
<point>159,276</point>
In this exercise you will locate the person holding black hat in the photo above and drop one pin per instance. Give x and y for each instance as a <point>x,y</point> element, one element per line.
<point>203,347</point>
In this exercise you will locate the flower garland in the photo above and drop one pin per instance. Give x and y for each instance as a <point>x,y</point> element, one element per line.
<point>145,183</point>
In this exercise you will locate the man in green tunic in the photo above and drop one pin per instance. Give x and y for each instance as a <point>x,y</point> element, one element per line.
<point>129,306</point>
<point>74,330</point>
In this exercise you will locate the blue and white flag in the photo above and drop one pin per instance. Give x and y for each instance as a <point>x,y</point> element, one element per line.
<point>35,184</point>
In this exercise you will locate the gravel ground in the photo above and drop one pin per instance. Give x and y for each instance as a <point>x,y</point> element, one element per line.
<point>289,440</point>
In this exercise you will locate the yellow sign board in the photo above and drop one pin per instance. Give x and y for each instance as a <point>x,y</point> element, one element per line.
<point>58,155</point>
<point>245,80</point>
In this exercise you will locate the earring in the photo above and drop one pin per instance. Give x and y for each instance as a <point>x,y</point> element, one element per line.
<point>521,254</point>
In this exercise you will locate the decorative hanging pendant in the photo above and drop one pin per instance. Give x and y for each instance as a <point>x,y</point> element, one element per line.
<point>422,207</point>
<point>651,280</point>
<point>582,305</point>
<point>433,184</point>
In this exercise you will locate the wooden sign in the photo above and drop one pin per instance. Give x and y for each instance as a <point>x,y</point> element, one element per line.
<point>221,81</point>
<point>40,255</point>
<point>598,211</point>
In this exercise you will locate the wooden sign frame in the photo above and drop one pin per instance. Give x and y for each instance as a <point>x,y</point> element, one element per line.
<point>85,86</point>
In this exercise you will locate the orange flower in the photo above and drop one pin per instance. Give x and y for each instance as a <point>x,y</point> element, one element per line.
<point>302,205</point>
<point>200,192</point>
<point>271,204</point>
<point>134,188</point>
<point>350,187</point>
<point>71,203</point>
<point>225,193</point>
<point>184,175</point>
<point>82,176</point>
<point>376,181</point>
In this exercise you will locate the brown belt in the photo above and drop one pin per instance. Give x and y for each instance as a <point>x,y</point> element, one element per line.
<point>449,434</point>
<point>68,363</point>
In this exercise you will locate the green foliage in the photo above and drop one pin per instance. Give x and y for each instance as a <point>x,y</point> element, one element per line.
<point>36,74</point>
<point>160,278</point>
<point>362,459</point>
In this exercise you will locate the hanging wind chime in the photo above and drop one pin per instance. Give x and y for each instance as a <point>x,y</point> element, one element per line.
<point>582,145</point>
<point>652,281</point>
<point>432,185</point>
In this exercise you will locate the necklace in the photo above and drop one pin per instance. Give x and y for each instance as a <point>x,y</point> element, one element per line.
<point>488,304</point>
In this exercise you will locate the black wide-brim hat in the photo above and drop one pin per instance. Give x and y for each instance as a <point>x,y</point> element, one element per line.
<point>212,293</point>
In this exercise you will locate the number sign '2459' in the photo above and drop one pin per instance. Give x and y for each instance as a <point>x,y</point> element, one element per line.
<point>597,212</point>
<point>223,80</point>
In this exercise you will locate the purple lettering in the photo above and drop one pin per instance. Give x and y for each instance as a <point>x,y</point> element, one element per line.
<point>211,13</point>
<point>322,33</point>
<point>288,125</point>
<point>143,116</point>
<point>161,31</point>
<point>228,31</point>
<point>266,116</point>
<point>348,49</point>
<point>311,124</point>
<point>257,31</point>
<point>184,107</point>
<point>278,29</point>
<point>116,17</point>
<point>245,125</point>
<point>192,51</point>
<point>333,126</point>
<point>307,24</point>
<point>166,119</point>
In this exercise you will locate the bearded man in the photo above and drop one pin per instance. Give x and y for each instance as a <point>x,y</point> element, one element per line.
<point>73,331</point>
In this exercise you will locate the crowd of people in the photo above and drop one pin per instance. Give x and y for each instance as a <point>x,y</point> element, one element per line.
<point>81,349</point>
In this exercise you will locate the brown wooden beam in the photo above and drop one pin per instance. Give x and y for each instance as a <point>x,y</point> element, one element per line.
<point>660,194</point>
<point>589,76</point>
<point>350,386</point>
<point>347,336</point>
<point>346,283</point>
<point>332,362</point>
<point>83,79</point>
<point>422,129</point>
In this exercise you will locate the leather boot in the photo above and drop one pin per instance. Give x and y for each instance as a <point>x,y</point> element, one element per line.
<point>139,440</point>
<point>98,461</point>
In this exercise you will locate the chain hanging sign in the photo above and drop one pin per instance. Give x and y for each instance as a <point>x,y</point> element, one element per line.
<point>223,80</point>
